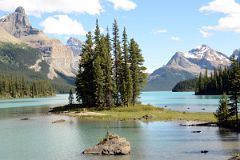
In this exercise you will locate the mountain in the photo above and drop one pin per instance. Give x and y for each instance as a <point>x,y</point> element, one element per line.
<point>59,57</point>
<point>59,60</point>
<point>76,47</point>
<point>185,65</point>
<point>17,24</point>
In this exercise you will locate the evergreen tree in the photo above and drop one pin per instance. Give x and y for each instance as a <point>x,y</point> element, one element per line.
<point>234,90</point>
<point>117,63</point>
<point>103,82</point>
<point>222,113</point>
<point>126,90</point>
<point>18,87</point>
<point>109,84</point>
<point>99,82</point>
<point>98,65</point>
<point>70,97</point>
<point>137,70</point>
<point>85,83</point>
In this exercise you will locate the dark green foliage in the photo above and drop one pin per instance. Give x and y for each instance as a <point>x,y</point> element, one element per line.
<point>126,87</point>
<point>117,55</point>
<point>85,84</point>
<point>107,70</point>
<point>70,97</point>
<point>185,86</point>
<point>234,89</point>
<point>222,113</point>
<point>103,81</point>
<point>216,84</point>
<point>19,87</point>
<point>137,70</point>
<point>227,81</point>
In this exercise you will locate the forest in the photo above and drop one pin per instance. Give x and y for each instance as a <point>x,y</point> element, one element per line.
<point>15,59</point>
<point>220,80</point>
<point>185,86</point>
<point>217,82</point>
<point>111,71</point>
<point>19,87</point>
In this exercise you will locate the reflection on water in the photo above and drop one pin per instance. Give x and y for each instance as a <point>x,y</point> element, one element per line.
<point>38,138</point>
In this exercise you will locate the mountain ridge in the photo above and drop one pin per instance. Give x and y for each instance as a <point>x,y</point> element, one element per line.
<point>51,59</point>
<point>185,65</point>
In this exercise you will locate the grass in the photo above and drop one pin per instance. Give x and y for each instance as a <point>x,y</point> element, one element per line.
<point>158,114</point>
<point>155,113</point>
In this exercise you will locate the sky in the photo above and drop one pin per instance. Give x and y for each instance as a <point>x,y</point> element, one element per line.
<point>161,27</point>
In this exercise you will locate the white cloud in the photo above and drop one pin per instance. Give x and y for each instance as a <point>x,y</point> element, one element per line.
<point>222,6</point>
<point>62,25</point>
<point>123,4</point>
<point>161,31</point>
<point>205,34</point>
<point>174,38</point>
<point>38,7</point>
<point>230,21</point>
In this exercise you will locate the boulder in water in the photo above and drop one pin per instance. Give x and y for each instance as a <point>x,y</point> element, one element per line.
<point>111,145</point>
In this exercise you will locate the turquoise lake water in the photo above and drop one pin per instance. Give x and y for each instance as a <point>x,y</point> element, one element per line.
<point>39,139</point>
<point>181,101</point>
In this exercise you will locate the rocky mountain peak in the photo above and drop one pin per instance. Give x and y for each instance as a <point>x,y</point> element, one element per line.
<point>74,42</point>
<point>198,59</point>
<point>20,10</point>
<point>186,65</point>
<point>76,46</point>
<point>17,24</point>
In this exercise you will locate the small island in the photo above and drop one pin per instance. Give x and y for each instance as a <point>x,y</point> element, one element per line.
<point>112,144</point>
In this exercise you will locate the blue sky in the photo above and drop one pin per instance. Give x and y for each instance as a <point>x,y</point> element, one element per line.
<point>160,27</point>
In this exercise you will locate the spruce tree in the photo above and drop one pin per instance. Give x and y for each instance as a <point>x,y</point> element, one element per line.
<point>85,89</point>
<point>126,90</point>
<point>117,63</point>
<point>109,84</point>
<point>222,113</point>
<point>98,65</point>
<point>98,82</point>
<point>234,89</point>
<point>137,70</point>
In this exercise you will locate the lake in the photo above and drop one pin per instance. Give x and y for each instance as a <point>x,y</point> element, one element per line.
<point>181,101</point>
<point>38,138</point>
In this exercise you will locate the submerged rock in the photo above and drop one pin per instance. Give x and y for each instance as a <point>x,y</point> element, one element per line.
<point>24,119</point>
<point>204,151</point>
<point>59,121</point>
<point>196,131</point>
<point>111,145</point>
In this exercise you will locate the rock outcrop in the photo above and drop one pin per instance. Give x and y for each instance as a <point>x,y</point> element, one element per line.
<point>59,57</point>
<point>17,24</point>
<point>76,46</point>
<point>110,145</point>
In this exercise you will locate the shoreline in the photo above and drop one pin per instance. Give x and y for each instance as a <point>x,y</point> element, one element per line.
<point>138,112</point>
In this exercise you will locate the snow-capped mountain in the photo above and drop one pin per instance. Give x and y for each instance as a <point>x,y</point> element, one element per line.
<point>186,65</point>
<point>196,60</point>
